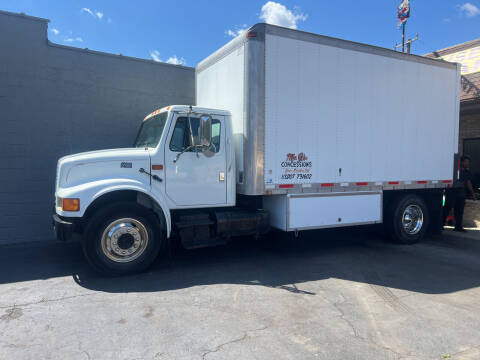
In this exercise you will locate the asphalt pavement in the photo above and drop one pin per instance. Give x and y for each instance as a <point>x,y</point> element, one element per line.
<point>336,294</point>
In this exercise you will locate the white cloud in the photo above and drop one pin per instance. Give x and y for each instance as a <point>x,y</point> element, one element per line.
<point>97,14</point>
<point>155,55</point>
<point>87,10</point>
<point>277,14</point>
<point>469,9</point>
<point>175,60</point>
<point>238,30</point>
<point>55,31</point>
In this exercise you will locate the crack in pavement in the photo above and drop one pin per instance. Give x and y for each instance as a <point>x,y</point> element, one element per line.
<point>219,347</point>
<point>356,335</point>
<point>336,305</point>
<point>44,301</point>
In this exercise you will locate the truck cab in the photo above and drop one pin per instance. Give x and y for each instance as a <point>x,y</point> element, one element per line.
<point>176,180</point>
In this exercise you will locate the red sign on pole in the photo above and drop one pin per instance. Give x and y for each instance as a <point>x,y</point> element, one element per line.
<point>403,12</point>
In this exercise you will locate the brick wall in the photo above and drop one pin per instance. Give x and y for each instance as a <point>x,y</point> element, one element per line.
<point>57,100</point>
<point>469,128</point>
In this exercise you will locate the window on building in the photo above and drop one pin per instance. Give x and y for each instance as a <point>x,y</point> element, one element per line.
<point>471,147</point>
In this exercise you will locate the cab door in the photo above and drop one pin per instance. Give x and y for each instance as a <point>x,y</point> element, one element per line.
<point>195,178</point>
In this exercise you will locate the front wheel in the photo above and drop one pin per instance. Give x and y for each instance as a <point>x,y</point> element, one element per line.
<point>408,219</point>
<point>122,238</point>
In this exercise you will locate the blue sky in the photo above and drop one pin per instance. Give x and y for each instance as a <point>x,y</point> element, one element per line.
<point>187,31</point>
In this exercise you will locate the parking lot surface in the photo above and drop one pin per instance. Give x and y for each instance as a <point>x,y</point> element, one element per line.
<point>344,294</point>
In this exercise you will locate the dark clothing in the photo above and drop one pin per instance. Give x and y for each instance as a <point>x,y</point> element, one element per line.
<point>465,175</point>
<point>455,198</point>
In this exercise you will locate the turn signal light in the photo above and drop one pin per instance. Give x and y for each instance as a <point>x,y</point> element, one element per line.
<point>70,204</point>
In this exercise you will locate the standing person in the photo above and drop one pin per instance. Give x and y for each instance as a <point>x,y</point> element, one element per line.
<point>465,187</point>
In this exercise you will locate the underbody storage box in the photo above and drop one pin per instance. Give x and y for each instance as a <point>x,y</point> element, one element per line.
<point>314,211</point>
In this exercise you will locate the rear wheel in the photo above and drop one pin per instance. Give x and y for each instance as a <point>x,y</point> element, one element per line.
<point>122,238</point>
<point>408,219</point>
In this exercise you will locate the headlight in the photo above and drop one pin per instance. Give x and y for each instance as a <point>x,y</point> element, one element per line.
<point>57,177</point>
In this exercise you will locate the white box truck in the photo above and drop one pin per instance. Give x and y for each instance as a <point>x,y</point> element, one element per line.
<point>292,131</point>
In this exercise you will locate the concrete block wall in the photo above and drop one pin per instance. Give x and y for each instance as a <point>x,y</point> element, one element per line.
<point>57,100</point>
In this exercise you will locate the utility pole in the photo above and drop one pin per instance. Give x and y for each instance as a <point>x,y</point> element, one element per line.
<point>407,42</point>
<point>403,37</point>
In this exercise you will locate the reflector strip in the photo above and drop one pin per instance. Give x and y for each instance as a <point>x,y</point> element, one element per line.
<point>401,184</point>
<point>157,167</point>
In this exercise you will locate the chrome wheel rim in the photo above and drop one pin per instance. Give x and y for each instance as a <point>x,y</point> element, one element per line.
<point>124,240</point>
<point>412,219</point>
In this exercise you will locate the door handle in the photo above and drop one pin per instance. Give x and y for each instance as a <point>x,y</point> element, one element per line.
<point>221,176</point>
<point>229,154</point>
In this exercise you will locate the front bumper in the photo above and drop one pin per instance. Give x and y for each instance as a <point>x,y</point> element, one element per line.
<point>63,229</point>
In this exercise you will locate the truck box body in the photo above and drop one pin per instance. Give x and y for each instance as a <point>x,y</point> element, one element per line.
<point>313,114</point>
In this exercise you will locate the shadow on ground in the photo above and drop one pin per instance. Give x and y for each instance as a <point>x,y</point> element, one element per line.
<point>440,264</point>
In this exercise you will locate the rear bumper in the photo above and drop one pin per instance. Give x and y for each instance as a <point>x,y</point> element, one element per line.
<point>63,229</point>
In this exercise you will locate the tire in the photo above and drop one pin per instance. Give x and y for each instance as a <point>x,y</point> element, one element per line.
<point>408,219</point>
<point>122,238</point>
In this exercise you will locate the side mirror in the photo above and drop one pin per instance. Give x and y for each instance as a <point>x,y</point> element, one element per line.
<point>205,131</point>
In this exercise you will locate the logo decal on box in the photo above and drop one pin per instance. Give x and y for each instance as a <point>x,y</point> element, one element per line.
<point>296,167</point>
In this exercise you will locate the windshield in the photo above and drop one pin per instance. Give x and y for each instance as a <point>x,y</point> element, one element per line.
<point>151,131</point>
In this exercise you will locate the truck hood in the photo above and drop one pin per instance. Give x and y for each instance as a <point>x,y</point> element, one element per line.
<point>89,166</point>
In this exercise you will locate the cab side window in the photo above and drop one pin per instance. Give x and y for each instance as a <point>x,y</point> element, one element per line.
<point>181,134</point>
<point>216,135</point>
<point>179,140</point>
